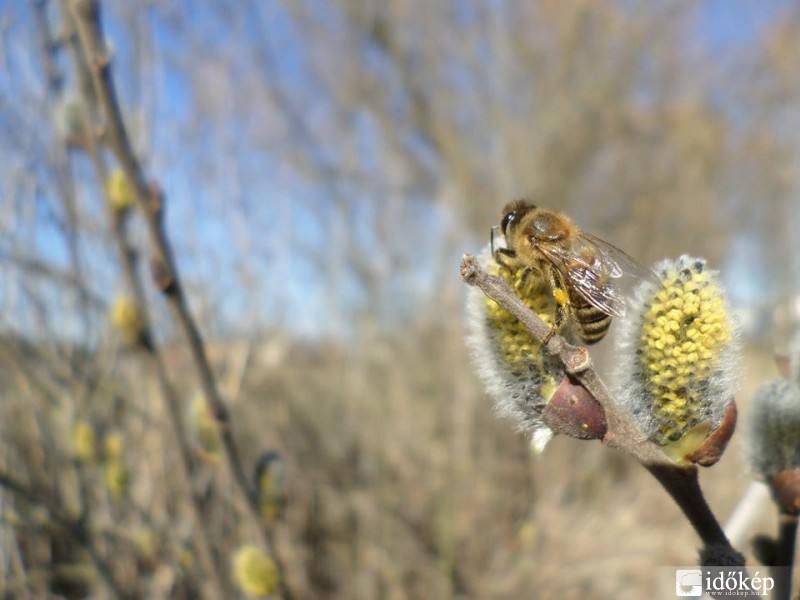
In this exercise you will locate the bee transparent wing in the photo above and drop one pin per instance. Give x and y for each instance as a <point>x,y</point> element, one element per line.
<point>619,262</point>
<point>599,285</point>
<point>597,270</point>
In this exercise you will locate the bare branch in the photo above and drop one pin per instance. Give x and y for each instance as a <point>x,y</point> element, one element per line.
<point>165,273</point>
<point>77,529</point>
<point>784,555</point>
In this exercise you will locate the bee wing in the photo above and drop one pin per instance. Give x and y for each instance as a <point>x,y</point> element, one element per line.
<point>597,271</point>
<point>619,262</point>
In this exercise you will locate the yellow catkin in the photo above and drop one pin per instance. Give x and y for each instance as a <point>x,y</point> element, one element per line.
<point>518,348</point>
<point>269,502</point>
<point>204,431</point>
<point>185,559</point>
<point>254,572</point>
<point>146,544</point>
<point>119,192</point>
<point>685,328</point>
<point>125,317</point>
<point>83,441</point>
<point>113,444</point>
<point>116,476</point>
<point>519,375</point>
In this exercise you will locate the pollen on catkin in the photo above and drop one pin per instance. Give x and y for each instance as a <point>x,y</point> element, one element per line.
<point>517,373</point>
<point>773,428</point>
<point>116,476</point>
<point>678,355</point>
<point>254,572</point>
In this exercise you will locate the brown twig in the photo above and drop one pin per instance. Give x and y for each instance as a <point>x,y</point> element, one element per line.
<point>218,581</point>
<point>49,47</point>
<point>165,273</point>
<point>782,567</point>
<point>75,528</point>
<point>623,433</point>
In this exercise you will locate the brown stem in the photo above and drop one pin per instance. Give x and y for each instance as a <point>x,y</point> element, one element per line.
<point>782,567</point>
<point>150,201</point>
<point>49,46</point>
<point>683,485</point>
<point>213,565</point>
<point>75,528</point>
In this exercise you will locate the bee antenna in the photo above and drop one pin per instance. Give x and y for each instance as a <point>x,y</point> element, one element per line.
<point>491,237</point>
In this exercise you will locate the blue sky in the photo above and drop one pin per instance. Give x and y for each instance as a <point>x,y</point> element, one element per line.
<point>282,210</point>
<point>735,24</point>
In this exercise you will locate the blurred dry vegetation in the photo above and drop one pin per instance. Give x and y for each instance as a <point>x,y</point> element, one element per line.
<point>325,165</point>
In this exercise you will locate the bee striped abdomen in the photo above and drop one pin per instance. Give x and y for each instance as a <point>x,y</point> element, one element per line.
<point>591,323</point>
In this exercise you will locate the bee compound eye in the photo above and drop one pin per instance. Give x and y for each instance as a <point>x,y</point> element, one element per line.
<point>507,220</point>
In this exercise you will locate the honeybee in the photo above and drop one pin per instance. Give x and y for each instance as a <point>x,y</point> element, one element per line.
<point>582,271</point>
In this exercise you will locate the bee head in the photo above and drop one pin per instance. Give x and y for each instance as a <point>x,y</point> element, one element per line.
<point>513,213</point>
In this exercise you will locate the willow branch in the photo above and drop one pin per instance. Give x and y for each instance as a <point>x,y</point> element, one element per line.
<point>165,272</point>
<point>66,185</point>
<point>76,529</point>
<point>218,582</point>
<point>623,433</point>
<point>782,567</point>
<point>49,46</point>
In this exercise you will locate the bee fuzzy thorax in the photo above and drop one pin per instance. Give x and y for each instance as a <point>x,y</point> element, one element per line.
<point>678,356</point>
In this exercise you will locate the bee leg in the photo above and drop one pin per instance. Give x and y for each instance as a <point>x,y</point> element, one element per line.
<point>500,254</point>
<point>561,297</point>
<point>525,274</point>
<point>561,314</point>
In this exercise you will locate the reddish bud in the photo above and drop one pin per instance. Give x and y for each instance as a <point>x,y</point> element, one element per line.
<point>162,275</point>
<point>573,411</point>
<point>710,451</point>
<point>786,490</point>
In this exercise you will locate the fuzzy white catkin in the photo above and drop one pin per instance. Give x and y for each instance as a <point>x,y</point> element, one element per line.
<point>517,397</point>
<point>773,428</point>
<point>671,387</point>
